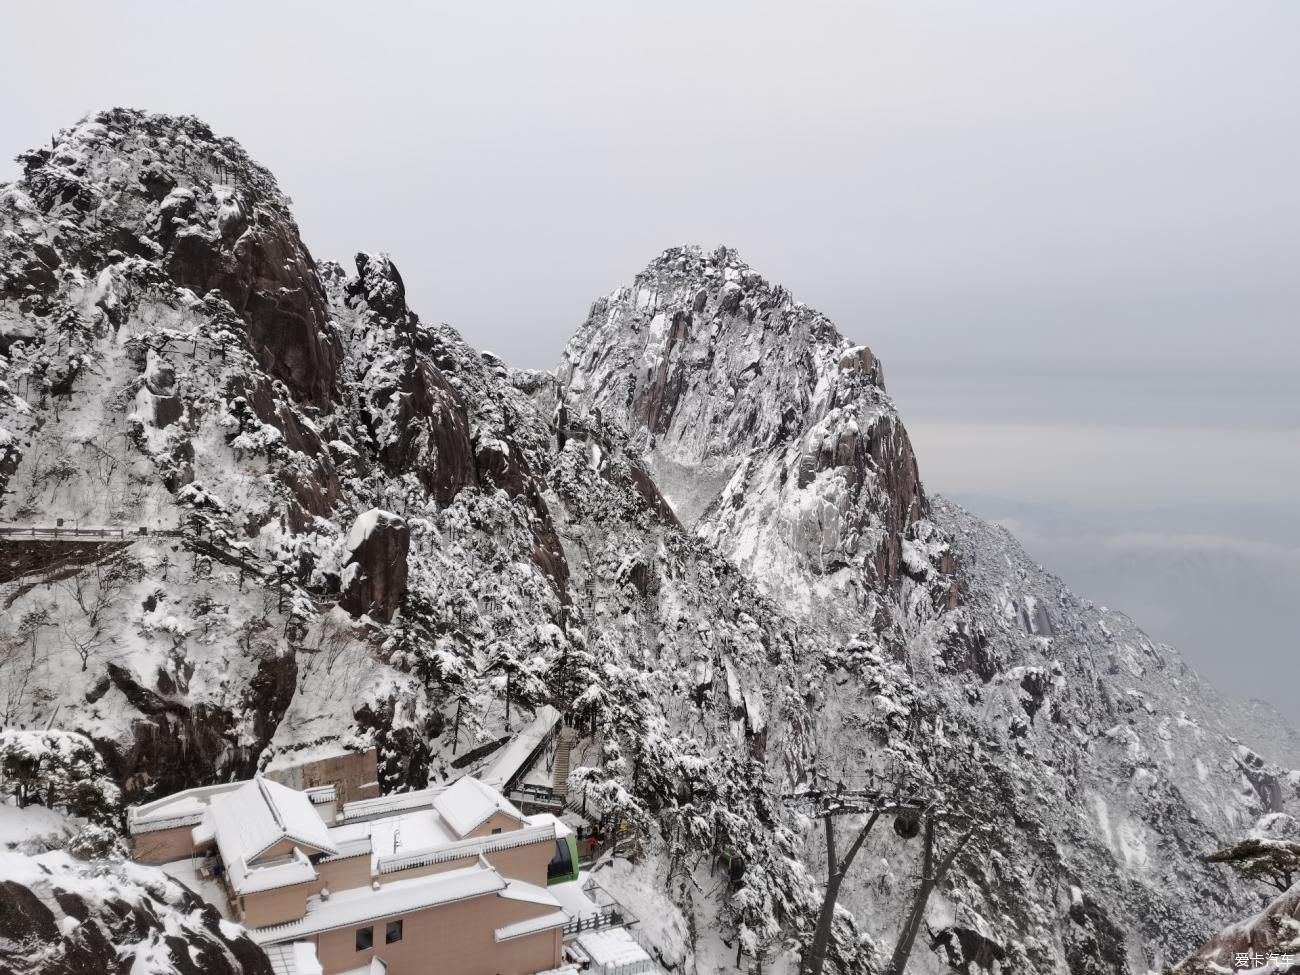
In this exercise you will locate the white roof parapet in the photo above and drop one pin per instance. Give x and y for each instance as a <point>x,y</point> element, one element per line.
<point>468,804</point>
<point>361,846</point>
<point>255,880</point>
<point>184,808</point>
<point>380,806</point>
<point>463,849</point>
<point>547,922</point>
<point>320,794</point>
<point>361,904</point>
<point>521,890</point>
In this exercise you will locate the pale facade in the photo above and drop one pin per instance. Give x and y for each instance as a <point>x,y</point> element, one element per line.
<point>454,882</point>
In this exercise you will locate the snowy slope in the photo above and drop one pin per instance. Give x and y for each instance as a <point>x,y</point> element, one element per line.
<point>380,535</point>
<point>63,916</point>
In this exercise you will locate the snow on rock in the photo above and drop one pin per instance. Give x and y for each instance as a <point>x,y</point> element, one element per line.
<point>376,534</point>
<point>375,576</point>
<point>62,916</point>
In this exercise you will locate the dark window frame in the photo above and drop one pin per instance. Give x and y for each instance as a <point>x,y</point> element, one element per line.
<point>389,929</point>
<point>365,938</point>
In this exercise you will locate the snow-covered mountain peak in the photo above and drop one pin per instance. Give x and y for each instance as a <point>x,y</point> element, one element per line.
<point>768,431</point>
<point>124,188</point>
<point>704,539</point>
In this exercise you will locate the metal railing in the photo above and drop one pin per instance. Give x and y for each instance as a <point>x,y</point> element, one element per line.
<point>62,532</point>
<point>608,917</point>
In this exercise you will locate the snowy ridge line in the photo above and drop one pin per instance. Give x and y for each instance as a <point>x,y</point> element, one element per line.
<point>462,849</point>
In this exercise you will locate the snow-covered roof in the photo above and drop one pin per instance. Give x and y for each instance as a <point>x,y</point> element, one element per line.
<point>573,899</point>
<point>509,760</point>
<point>360,904</point>
<point>250,820</point>
<point>185,808</point>
<point>562,828</point>
<point>362,809</point>
<point>409,832</point>
<point>453,849</point>
<point>519,890</point>
<point>612,947</point>
<point>321,794</point>
<point>296,958</point>
<point>468,804</point>
<point>556,919</point>
<point>293,869</point>
<point>352,839</point>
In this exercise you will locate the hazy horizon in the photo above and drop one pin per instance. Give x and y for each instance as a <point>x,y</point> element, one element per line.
<point>1069,233</point>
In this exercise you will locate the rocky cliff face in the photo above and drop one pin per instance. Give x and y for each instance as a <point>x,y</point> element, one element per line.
<point>64,916</point>
<point>770,432</point>
<point>705,538</point>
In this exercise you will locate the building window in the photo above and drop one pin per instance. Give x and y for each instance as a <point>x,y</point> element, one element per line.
<point>393,933</point>
<point>365,938</point>
<point>495,831</point>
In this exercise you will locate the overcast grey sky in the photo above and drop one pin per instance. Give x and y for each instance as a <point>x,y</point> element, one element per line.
<point>1070,230</point>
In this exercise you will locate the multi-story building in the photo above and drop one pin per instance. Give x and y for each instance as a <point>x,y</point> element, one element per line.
<point>450,879</point>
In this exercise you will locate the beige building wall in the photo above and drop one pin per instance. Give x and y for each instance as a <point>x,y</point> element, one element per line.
<point>276,906</point>
<point>282,848</point>
<point>454,939</point>
<point>163,846</point>
<point>290,903</point>
<point>354,774</point>
<point>342,874</point>
<point>526,863</point>
<point>501,821</point>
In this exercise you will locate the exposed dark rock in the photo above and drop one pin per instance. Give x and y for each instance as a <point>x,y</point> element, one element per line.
<point>108,933</point>
<point>1263,779</point>
<point>422,427</point>
<point>967,951</point>
<point>176,745</point>
<point>509,472</point>
<point>24,914</point>
<point>379,288</point>
<point>1094,944</point>
<point>376,571</point>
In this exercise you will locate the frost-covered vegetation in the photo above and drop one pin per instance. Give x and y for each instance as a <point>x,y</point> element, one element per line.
<point>704,539</point>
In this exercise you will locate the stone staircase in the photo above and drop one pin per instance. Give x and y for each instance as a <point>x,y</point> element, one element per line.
<point>564,743</point>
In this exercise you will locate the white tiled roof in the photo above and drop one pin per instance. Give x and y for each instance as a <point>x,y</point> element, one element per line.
<point>360,904</point>
<point>184,808</point>
<point>518,890</point>
<point>556,919</point>
<point>253,818</point>
<point>443,852</point>
<point>362,809</point>
<point>260,813</point>
<point>469,803</point>
<point>296,869</point>
<point>613,947</point>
